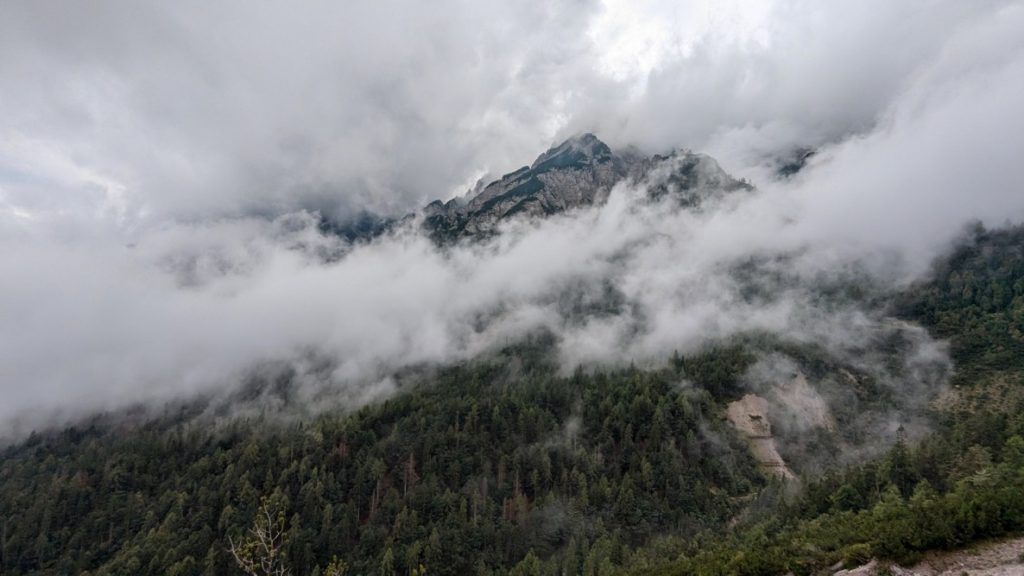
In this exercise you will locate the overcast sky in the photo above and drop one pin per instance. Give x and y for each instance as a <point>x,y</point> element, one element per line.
<point>138,140</point>
<point>142,111</point>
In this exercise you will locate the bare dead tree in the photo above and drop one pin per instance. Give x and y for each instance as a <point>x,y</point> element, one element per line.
<point>261,551</point>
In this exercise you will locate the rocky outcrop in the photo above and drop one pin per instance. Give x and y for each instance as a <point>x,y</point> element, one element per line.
<point>998,559</point>
<point>749,415</point>
<point>578,172</point>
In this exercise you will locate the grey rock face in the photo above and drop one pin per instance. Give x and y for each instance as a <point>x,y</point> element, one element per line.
<point>578,172</point>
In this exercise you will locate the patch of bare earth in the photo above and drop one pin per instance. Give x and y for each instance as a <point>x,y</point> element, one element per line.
<point>1004,558</point>
<point>750,417</point>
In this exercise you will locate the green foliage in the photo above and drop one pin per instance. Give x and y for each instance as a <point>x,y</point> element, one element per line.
<point>987,504</point>
<point>503,466</point>
<point>473,471</point>
<point>976,298</point>
<point>962,484</point>
<point>716,369</point>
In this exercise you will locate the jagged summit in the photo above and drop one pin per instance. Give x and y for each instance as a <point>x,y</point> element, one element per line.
<point>578,151</point>
<point>580,171</point>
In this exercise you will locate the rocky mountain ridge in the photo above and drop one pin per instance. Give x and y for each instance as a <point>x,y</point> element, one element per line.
<point>579,172</point>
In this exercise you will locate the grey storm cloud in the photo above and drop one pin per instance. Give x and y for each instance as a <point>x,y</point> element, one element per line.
<point>161,166</point>
<point>185,110</point>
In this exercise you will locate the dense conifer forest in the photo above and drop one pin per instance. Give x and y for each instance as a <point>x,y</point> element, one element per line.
<point>505,465</point>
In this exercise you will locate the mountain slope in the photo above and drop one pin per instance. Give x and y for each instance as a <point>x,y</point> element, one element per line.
<point>962,484</point>
<point>505,464</point>
<point>577,173</point>
<point>483,465</point>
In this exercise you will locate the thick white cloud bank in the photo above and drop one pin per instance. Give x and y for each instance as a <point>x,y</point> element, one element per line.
<point>158,166</point>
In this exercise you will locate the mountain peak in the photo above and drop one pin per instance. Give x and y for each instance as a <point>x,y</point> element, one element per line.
<point>579,151</point>
<point>580,171</point>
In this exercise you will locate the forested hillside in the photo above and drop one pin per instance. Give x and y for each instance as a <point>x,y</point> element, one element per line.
<point>471,472</point>
<point>976,299</point>
<point>502,465</point>
<point>963,483</point>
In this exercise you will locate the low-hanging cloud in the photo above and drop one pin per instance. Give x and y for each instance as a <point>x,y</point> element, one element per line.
<point>157,234</point>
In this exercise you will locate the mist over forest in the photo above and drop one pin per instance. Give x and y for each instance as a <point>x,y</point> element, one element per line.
<point>583,287</point>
